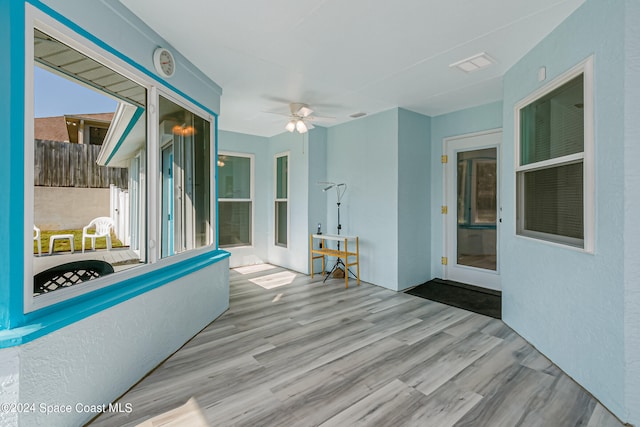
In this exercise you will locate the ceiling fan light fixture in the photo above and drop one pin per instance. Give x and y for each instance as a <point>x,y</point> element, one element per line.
<point>291,126</point>
<point>301,127</point>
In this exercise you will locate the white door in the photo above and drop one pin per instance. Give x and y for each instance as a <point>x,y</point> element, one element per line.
<point>472,218</point>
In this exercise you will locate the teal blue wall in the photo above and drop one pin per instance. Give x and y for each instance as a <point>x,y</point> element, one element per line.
<point>317,173</point>
<point>386,205</point>
<point>569,304</point>
<point>414,199</point>
<point>631,209</point>
<point>476,119</point>
<point>364,154</point>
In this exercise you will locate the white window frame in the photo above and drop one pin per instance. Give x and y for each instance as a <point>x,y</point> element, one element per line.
<point>586,157</point>
<point>251,198</point>
<point>34,18</point>
<point>276,199</point>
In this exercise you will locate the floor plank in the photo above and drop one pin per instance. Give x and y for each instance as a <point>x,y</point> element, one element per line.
<point>310,353</point>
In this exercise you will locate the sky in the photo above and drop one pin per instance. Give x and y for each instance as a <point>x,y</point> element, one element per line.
<point>57,96</point>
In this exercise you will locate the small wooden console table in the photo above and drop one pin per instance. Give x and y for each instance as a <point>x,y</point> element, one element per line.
<point>342,253</point>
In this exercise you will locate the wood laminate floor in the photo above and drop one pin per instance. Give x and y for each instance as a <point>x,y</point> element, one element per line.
<point>304,353</point>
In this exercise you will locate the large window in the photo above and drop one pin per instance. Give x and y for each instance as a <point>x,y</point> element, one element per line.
<point>86,150</point>
<point>121,170</point>
<point>554,174</point>
<point>282,200</point>
<point>235,199</point>
<point>185,160</point>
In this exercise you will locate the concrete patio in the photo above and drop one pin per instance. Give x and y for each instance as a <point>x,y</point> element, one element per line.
<point>119,258</point>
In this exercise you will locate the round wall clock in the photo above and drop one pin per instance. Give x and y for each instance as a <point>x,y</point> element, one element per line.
<point>164,62</point>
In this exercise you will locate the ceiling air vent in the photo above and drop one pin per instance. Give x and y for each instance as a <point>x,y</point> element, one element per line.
<point>474,63</point>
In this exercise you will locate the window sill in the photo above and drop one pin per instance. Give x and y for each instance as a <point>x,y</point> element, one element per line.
<point>552,243</point>
<point>45,321</point>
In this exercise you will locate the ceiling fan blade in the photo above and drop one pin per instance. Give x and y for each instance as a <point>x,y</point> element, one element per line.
<point>304,111</point>
<point>276,113</point>
<point>294,107</point>
<point>309,125</point>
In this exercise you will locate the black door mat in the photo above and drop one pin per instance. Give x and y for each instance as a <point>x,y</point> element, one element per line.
<point>468,297</point>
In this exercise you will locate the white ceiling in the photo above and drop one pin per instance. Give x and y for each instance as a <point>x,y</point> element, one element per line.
<point>343,57</point>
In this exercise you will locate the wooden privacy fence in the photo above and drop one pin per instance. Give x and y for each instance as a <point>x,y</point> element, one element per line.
<point>63,164</point>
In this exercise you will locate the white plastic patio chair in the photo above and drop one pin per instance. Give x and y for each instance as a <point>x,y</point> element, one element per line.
<point>103,226</point>
<point>37,238</point>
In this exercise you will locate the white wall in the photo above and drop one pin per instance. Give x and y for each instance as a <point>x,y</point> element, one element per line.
<point>10,380</point>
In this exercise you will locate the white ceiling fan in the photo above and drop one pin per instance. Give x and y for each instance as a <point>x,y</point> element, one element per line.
<point>300,118</point>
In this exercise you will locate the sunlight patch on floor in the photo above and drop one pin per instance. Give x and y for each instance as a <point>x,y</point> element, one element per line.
<point>254,268</point>
<point>275,280</point>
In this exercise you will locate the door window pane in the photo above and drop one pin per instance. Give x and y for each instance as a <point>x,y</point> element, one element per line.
<point>477,208</point>
<point>485,195</point>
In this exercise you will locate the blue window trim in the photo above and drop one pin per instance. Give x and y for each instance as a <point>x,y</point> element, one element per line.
<point>52,318</point>
<point>17,327</point>
<point>12,161</point>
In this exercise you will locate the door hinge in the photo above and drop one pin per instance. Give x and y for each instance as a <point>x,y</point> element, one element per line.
<point>445,260</point>
<point>444,159</point>
<point>444,210</point>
